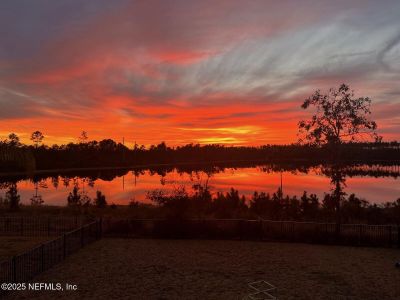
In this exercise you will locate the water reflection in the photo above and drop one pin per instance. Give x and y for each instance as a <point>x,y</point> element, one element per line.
<point>376,183</point>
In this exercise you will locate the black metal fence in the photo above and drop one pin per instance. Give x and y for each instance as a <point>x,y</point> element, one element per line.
<point>39,226</point>
<point>25,266</point>
<point>308,232</point>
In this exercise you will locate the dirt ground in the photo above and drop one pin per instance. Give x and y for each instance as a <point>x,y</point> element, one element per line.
<point>194,269</point>
<point>10,246</point>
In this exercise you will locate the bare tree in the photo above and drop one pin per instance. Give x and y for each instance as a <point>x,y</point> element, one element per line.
<point>83,137</point>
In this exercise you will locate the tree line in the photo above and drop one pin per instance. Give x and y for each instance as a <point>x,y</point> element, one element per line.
<point>201,203</point>
<point>15,156</point>
<point>307,207</point>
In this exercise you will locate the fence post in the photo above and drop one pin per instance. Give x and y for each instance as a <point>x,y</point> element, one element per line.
<point>295,225</point>
<point>267,230</point>
<point>326,233</point>
<point>390,235</point>
<point>241,228</point>
<point>338,232</point>
<point>64,246</point>
<point>48,226</point>
<point>398,236</point>
<point>14,269</point>
<point>100,228</point>
<point>81,230</point>
<point>22,226</point>
<point>42,257</point>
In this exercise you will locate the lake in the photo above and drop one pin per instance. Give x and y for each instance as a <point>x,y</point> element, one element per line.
<point>377,184</point>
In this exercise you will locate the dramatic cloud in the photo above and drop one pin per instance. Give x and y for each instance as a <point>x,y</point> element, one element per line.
<point>184,71</point>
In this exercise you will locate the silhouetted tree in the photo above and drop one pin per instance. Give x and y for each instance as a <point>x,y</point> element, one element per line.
<point>353,209</point>
<point>133,203</point>
<point>12,198</point>
<point>74,197</point>
<point>3,203</point>
<point>392,209</point>
<point>229,205</point>
<point>55,181</point>
<point>176,204</point>
<point>292,208</point>
<point>261,205</point>
<point>83,137</point>
<point>37,200</point>
<point>85,200</point>
<point>37,138</point>
<point>338,182</point>
<point>100,200</point>
<point>13,140</point>
<point>339,117</point>
<point>202,198</point>
<point>277,204</point>
<point>309,206</point>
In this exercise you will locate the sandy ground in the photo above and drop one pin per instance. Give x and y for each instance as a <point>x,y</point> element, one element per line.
<point>10,246</point>
<point>193,269</point>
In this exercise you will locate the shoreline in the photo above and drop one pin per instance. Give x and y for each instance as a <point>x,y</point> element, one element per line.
<point>132,167</point>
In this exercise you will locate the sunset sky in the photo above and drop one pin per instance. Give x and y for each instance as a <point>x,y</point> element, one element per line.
<point>184,71</point>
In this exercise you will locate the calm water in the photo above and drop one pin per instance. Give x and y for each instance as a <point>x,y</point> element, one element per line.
<point>122,186</point>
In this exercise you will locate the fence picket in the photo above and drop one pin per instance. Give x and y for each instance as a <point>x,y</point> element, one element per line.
<point>25,266</point>
<point>332,233</point>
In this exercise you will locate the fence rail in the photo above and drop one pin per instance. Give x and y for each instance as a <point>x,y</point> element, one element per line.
<point>39,226</point>
<point>308,232</point>
<point>25,266</point>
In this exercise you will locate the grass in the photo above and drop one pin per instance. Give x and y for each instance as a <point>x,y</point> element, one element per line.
<point>14,245</point>
<point>194,269</point>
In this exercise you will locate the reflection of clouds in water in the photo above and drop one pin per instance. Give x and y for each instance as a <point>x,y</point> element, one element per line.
<point>121,190</point>
<point>377,190</point>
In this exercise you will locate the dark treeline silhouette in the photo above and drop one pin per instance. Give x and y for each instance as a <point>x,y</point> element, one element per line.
<point>108,153</point>
<point>334,206</point>
<point>201,203</point>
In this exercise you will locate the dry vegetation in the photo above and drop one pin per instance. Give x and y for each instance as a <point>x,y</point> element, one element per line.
<point>194,269</point>
<point>10,246</point>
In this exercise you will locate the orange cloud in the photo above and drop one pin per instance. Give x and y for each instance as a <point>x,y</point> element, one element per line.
<point>202,72</point>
